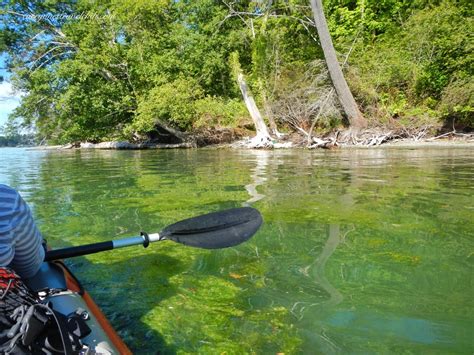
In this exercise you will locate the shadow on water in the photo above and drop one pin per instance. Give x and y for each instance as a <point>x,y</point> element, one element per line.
<point>127,296</point>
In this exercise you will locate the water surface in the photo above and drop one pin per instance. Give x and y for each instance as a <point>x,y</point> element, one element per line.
<point>361,251</point>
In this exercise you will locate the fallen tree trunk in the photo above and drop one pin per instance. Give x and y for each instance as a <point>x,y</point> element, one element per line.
<point>262,139</point>
<point>178,134</point>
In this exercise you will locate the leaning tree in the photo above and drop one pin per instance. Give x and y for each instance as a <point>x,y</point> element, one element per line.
<point>349,105</point>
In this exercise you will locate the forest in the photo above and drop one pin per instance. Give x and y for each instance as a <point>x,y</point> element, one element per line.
<point>170,71</point>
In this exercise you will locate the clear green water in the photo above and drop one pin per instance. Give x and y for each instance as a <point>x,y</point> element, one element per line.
<point>364,251</point>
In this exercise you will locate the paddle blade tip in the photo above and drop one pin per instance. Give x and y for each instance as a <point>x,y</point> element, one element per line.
<point>216,230</point>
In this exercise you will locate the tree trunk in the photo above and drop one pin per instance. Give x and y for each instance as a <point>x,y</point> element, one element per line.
<point>262,139</point>
<point>178,134</point>
<point>269,115</point>
<point>356,120</point>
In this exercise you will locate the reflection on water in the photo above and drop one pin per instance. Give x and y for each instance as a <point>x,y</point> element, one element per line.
<point>361,251</point>
<point>262,158</point>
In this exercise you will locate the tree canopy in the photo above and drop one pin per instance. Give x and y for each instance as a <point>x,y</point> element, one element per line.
<point>122,69</point>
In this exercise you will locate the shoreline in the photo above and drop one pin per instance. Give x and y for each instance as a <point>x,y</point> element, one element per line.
<point>401,143</point>
<point>420,144</point>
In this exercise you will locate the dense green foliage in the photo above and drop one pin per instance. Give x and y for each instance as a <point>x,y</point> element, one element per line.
<point>117,69</point>
<point>414,60</point>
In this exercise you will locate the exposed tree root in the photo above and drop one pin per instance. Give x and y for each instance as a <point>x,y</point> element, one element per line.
<point>257,142</point>
<point>376,137</point>
<point>467,136</point>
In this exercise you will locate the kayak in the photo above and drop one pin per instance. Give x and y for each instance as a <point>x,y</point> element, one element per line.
<point>78,323</point>
<point>68,297</point>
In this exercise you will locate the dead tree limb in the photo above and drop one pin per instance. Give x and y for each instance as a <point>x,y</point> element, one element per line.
<point>262,139</point>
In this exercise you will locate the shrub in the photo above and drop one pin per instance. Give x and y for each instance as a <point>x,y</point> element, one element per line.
<point>422,67</point>
<point>171,103</point>
<point>217,112</point>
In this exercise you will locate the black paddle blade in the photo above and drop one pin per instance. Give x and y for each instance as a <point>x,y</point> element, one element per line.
<point>215,230</point>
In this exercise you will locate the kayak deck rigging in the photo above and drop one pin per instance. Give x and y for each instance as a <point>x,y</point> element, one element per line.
<point>67,295</point>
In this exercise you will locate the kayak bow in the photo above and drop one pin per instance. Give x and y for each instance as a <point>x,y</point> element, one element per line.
<point>69,296</point>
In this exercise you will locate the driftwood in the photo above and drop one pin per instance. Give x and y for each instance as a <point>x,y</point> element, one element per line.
<point>365,138</point>
<point>376,137</point>
<point>468,136</point>
<point>328,143</point>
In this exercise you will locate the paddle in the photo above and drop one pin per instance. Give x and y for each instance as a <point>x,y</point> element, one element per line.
<point>210,231</point>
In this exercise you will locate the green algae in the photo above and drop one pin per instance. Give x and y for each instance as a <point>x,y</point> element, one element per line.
<point>396,277</point>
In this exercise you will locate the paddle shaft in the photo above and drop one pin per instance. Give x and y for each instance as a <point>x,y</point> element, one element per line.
<point>70,252</point>
<point>214,230</point>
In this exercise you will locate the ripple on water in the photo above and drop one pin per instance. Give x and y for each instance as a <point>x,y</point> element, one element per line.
<point>360,251</point>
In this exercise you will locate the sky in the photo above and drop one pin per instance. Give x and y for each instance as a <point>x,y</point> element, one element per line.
<point>8,99</point>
